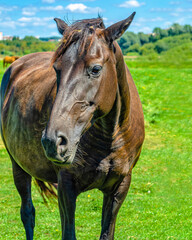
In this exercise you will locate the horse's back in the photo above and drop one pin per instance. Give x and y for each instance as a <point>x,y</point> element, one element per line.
<point>28,91</point>
<point>29,81</point>
<point>23,67</point>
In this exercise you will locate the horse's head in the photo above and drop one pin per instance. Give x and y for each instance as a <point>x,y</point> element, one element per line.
<point>85,65</point>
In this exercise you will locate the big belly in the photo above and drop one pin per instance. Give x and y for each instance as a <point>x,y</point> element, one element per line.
<point>22,136</point>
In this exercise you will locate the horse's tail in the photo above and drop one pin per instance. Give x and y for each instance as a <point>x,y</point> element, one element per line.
<point>47,190</point>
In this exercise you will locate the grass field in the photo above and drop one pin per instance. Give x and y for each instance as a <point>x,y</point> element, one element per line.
<point>159,203</point>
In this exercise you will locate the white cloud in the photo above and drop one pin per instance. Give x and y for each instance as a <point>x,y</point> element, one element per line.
<point>174,14</point>
<point>135,24</point>
<point>77,7</point>
<point>180,20</point>
<point>131,4</point>
<point>53,25</point>
<point>145,30</point>
<point>48,1</point>
<point>36,21</point>
<point>46,19</point>
<point>21,24</point>
<point>12,24</point>
<point>28,19</point>
<point>29,11</point>
<point>53,8</point>
<point>179,9</point>
<point>107,22</point>
<point>81,8</point>
<point>7,19</point>
<point>161,9</point>
<point>39,23</point>
<point>183,9</point>
<point>9,24</point>
<point>156,19</point>
<point>7,9</point>
<point>175,2</point>
<point>167,24</point>
<point>55,34</point>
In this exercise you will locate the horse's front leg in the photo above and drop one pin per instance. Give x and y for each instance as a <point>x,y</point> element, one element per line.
<point>23,184</point>
<point>111,205</point>
<point>67,195</point>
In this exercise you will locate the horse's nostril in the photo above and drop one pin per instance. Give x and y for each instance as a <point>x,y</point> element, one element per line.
<point>49,147</point>
<point>61,141</point>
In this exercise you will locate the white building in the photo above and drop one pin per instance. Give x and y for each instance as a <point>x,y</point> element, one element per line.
<point>1,36</point>
<point>5,37</point>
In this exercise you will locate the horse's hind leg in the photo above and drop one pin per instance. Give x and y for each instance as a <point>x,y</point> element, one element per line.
<point>111,205</point>
<point>23,184</point>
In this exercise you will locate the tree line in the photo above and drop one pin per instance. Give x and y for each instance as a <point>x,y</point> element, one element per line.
<point>132,42</point>
<point>158,41</point>
<point>28,44</point>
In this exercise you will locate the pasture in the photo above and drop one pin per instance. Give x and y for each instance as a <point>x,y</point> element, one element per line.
<point>159,203</point>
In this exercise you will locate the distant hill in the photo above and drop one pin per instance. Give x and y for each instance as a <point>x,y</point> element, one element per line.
<point>163,45</point>
<point>178,54</point>
<point>158,41</point>
<point>27,45</point>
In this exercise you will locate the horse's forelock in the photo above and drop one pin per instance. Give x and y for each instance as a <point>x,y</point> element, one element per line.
<point>79,31</point>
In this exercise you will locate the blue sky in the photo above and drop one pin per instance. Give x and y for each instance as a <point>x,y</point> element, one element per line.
<point>35,17</point>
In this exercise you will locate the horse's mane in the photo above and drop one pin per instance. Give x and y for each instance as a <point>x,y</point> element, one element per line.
<point>78,31</point>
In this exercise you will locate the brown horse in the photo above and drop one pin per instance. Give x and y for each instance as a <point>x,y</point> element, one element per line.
<point>8,60</point>
<point>91,117</point>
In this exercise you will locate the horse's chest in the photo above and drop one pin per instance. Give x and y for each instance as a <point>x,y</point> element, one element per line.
<point>103,175</point>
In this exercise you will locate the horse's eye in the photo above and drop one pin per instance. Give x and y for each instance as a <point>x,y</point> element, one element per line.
<point>95,70</point>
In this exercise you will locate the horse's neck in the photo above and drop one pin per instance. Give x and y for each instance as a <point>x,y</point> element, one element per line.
<point>117,120</point>
<point>124,93</point>
<point>120,113</point>
<point>103,135</point>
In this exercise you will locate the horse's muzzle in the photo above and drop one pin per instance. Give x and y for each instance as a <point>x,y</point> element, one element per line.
<point>55,149</point>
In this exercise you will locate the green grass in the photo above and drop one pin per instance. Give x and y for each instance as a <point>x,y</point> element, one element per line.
<point>179,56</point>
<point>159,203</point>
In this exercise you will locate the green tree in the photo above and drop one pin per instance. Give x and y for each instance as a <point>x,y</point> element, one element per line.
<point>164,33</point>
<point>15,38</point>
<point>134,48</point>
<point>176,29</point>
<point>161,46</point>
<point>147,49</point>
<point>157,30</point>
<point>31,39</point>
<point>144,38</point>
<point>154,37</point>
<point>187,28</point>
<point>128,39</point>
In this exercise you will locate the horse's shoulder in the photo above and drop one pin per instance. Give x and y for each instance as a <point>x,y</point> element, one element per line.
<point>32,80</point>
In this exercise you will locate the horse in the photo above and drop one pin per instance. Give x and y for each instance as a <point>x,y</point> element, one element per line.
<point>8,60</point>
<point>73,119</point>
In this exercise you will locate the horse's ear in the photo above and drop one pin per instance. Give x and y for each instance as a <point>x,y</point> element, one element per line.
<point>61,25</point>
<point>116,30</point>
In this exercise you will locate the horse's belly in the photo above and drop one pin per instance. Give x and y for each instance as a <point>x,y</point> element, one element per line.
<point>22,136</point>
<point>28,153</point>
